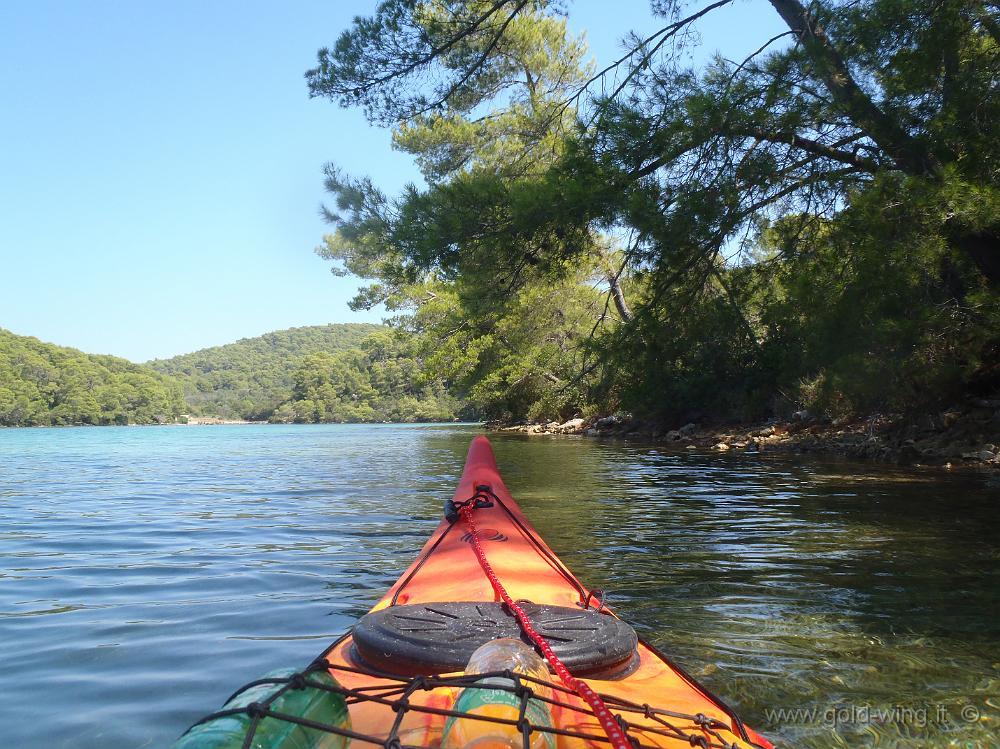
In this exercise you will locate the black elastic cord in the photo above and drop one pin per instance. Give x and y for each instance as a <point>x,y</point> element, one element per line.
<point>420,563</point>
<point>704,691</point>
<point>481,499</point>
<point>396,695</point>
<point>548,555</point>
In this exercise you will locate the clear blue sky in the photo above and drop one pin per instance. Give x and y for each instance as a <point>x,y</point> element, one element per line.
<point>160,164</point>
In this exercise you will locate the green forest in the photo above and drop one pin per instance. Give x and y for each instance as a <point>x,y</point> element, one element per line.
<point>816,226</point>
<point>328,373</point>
<point>44,385</point>
<point>248,379</point>
<point>383,379</point>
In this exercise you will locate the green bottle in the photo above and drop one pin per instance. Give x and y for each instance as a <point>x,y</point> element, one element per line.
<point>229,732</point>
<point>490,698</point>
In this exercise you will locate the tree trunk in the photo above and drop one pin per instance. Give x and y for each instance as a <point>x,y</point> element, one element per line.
<point>619,297</point>
<point>910,156</point>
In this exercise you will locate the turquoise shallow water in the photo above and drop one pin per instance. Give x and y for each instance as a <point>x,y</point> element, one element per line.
<point>147,572</point>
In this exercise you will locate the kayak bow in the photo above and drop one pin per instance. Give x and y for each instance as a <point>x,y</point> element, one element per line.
<point>445,605</point>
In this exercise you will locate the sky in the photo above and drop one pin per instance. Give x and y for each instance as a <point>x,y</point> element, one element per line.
<point>161,164</point>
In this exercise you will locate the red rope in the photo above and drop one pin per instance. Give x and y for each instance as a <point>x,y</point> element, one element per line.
<point>588,695</point>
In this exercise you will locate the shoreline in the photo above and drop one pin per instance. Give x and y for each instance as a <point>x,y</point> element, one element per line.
<point>967,436</point>
<point>199,421</point>
<point>215,421</point>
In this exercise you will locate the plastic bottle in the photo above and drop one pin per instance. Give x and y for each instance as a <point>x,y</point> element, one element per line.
<point>500,655</point>
<point>229,732</point>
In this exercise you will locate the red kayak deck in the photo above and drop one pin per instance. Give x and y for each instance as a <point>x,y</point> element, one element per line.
<point>447,570</point>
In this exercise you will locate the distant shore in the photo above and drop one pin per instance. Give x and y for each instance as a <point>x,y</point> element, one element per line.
<point>216,421</point>
<point>966,435</point>
<point>210,420</point>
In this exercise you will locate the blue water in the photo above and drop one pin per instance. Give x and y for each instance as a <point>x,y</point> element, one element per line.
<point>145,572</point>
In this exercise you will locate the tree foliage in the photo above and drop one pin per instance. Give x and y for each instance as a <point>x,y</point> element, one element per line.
<point>248,379</point>
<point>523,361</point>
<point>502,316</point>
<point>816,223</point>
<point>42,384</point>
<point>333,373</point>
<point>382,380</point>
<point>412,58</point>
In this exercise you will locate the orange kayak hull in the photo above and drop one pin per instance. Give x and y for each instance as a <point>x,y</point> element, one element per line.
<point>447,570</point>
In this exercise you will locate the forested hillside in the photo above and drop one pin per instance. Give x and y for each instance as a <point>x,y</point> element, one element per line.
<point>350,372</point>
<point>328,373</point>
<point>44,384</point>
<point>248,379</point>
<point>383,379</point>
<point>814,224</point>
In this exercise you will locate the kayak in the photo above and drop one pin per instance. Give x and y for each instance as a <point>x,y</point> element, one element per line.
<point>448,572</point>
<point>485,573</point>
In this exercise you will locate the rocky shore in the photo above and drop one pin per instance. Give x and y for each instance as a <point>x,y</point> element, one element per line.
<point>208,420</point>
<point>963,435</point>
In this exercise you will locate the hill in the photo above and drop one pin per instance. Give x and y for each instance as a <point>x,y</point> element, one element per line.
<point>248,379</point>
<point>382,379</point>
<point>44,384</point>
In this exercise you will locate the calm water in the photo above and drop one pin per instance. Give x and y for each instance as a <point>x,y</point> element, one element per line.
<point>146,572</point>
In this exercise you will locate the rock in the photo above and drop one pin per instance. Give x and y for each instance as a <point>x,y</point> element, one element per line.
<point>591,432</point>
<point>765,432</point>
<point>721,446</point>
<point>607,422</point>
<point>802,415</point>
<point>990,446</point>
<point>948,418</point>
<point>984,455</point>
<point>632,426</point>
<point>572,425</point>
<point>688,429</point>
<point>673,435</point>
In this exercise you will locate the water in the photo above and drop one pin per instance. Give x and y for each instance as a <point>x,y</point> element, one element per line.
<point>147,572</point>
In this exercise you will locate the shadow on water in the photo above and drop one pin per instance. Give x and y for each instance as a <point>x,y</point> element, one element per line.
<point>146,572</point>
